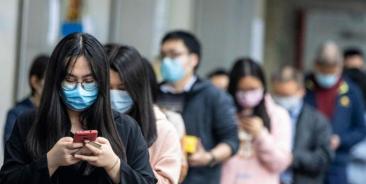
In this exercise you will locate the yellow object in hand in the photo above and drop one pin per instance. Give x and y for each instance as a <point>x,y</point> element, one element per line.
<point>190,144</point>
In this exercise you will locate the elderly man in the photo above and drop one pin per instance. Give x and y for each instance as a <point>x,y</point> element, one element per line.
<point>341,102</point>
<point>309,128</point>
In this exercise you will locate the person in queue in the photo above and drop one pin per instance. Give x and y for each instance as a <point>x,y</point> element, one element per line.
<point>341,103</point>
<point>311,131</point>
<point>264,129</point>
<point>76,97</point>
<point>35,80</point>
<point>173,117</point>
<point>219,78</point>
<point>131,94</point>
<point>208,113</point>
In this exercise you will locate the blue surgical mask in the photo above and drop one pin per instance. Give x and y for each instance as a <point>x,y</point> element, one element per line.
<point>79,99</point>
<point>121,101</point>
<point>326,80</point>
<point>172,70</point>
<point>289,103</point>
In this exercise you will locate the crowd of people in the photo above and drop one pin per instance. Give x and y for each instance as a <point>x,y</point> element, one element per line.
<point>234,127</point>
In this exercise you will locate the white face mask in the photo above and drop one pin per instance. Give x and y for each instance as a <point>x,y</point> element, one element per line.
<point>289,102</point>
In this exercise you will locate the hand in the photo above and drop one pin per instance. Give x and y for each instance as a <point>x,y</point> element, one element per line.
<point>252,125</point>
<point>184,164</point>
<point>335,141</point>
<point>200,158</point>
<point>101,157</point>
<point>61,154</point>
<point>183,171</point>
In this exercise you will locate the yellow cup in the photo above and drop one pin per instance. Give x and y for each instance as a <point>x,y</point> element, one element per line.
<point>190,144</point>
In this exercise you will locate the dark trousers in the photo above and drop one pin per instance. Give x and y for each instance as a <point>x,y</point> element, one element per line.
<point>336,175</point>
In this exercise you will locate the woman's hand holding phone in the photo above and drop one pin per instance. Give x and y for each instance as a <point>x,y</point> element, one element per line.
<point>62,153</point>
<point>252,125</point>
<point>103,156</point>
<point>97,151</point>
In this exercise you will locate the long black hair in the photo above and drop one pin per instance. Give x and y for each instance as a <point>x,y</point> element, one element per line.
<point>52,121</point>
<point>127,62</point>
<point>247,67</point>
<point>154,85</point>
<point>38,68</point>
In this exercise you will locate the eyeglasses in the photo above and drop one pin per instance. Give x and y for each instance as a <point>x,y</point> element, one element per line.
<point>87,85</point>
<point>172,55</point>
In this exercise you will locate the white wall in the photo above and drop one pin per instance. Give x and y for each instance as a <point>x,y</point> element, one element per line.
<point>33,36</point>
<point>8,31</point>
<point>345,27</point>
<point>134,24</point>
<point>142,23</point>
<point>229,29</point>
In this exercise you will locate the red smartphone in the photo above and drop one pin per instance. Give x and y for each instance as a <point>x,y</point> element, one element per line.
<point>85,135</point>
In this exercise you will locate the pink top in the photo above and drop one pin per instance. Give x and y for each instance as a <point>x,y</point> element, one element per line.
<point>272,153</point>
<point>165,153</point>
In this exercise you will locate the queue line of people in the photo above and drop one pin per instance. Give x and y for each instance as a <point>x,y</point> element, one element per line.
<point>183,130</point>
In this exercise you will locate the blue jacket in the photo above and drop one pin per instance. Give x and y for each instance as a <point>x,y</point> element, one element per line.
<point>14,113</point>
<point>347,120</point>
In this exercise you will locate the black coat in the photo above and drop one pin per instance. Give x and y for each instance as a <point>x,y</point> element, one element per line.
<point>20,168</point>
<point>312,152</point>
<point>359,78</point>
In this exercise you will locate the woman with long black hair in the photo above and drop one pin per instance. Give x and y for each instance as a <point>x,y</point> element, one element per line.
<point>264,129</point>
<point>76,97</point>
<point>131,94</point>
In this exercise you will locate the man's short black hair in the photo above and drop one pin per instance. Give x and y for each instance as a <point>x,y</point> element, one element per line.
<point>38,68</point>
<point>190,41</point>
<point>216,72</point>
<point>353,51</point>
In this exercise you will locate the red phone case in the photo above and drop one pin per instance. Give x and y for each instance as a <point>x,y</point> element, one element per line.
<point>83,135</point>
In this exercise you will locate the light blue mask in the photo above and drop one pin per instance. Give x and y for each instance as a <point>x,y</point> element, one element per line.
<point>326,80</point>
<point>79,99</point>
<point>172,70</point>
<point>289,103</point>
<point>121,101</point>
